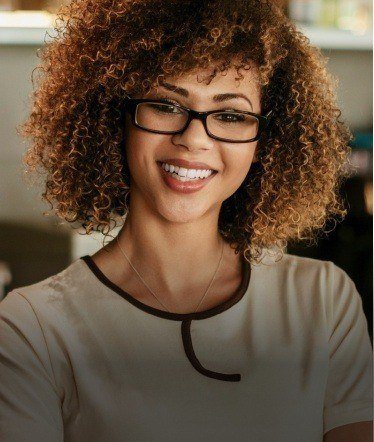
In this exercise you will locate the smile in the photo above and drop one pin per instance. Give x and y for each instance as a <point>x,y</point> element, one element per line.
<point>185,180</point>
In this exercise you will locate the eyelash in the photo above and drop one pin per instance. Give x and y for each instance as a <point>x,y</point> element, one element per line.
<point>169,100</point>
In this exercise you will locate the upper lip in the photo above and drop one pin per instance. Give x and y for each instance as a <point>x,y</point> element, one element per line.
<point>188,164</point>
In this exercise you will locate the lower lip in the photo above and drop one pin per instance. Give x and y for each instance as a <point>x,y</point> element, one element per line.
<point>184,186</point>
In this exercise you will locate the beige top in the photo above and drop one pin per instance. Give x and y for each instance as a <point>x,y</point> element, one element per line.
<point>287,358</point>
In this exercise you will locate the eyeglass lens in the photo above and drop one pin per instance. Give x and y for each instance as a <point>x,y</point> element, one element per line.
<point>168,118</point>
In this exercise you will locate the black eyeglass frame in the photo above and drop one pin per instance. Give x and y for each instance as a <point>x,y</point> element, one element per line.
<point>130,105</point>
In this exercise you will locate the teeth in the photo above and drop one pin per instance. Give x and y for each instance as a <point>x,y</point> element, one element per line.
<point>182,171</point>
<point>183,174</point>
<point>183,178</point>
<point>191,173</point>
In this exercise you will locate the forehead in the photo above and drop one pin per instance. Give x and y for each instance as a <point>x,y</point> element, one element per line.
<point>200,81</point>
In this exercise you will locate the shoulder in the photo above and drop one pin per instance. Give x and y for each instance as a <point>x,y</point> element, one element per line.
<point>316,297</point>
<point>51,296</point>
<point>293,269</point>
<point>320,284</point>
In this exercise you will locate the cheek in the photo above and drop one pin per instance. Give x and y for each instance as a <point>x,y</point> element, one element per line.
<point>135,152</point>
<point>141,152</point>
<point>238,163</point>
<point>137,146</point>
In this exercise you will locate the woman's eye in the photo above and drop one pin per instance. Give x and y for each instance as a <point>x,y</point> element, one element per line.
<point>230,117</point>
<point>166,108</point>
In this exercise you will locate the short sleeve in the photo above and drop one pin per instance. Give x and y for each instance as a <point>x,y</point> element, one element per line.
<point>349,390</point>
<point>30,407</point>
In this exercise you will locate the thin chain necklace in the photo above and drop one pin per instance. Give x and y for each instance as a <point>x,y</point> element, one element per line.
<point>152,292</point>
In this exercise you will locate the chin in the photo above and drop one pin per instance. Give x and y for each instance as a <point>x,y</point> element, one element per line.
<point>181,212</point>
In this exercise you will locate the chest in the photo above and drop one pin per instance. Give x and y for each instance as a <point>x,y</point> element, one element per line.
<point>145,387</point>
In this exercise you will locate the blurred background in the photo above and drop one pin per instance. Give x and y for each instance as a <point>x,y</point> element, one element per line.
<point>33,246</point>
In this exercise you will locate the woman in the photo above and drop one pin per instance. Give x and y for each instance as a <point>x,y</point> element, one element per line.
<point>211,129</point>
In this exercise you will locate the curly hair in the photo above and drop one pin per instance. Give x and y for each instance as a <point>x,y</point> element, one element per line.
<point>105,49</point>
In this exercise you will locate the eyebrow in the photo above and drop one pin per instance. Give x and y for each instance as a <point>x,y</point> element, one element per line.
<point>218,97</point>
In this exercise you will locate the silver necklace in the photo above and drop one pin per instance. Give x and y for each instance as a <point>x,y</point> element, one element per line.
<point>152,292</point>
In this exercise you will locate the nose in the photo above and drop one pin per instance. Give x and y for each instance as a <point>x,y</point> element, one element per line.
<point>194,137</point>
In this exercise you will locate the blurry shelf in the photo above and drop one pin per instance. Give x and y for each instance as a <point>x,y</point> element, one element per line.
<point>25,27</point>
<point>30,27</point>
<point>330,38</point>
<point>23,36</point>
<point>26,19</point>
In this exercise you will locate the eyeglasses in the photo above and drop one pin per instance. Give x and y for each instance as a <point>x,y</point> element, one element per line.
<point>164,117</point>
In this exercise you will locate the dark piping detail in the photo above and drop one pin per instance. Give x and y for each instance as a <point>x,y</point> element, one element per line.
<point>188,348</point>
<point>185,318</point>
<point>237,296</point>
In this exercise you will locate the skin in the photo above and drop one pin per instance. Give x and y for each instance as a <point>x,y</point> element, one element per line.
<point>357,432</point>
<point>168,231</point>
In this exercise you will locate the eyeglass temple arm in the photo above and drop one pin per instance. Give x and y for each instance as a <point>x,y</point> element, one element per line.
<point>269,113</point>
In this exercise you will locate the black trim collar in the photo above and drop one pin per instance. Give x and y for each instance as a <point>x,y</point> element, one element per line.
<point>186,318</point>
<point>236,297</point>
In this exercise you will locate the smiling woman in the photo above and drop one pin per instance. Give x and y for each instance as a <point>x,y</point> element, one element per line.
<point>211,130</point>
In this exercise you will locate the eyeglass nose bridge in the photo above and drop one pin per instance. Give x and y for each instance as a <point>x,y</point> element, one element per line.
<point>196,115</point>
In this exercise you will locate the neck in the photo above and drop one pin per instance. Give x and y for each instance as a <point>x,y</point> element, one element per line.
<point>171,258</point>
<point>177,260</point>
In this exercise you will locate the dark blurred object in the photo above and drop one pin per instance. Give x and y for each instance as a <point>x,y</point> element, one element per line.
<point>362,140</point>
<point>31,5</point>
<point>5,278</point>
<point>8,5</point>
<point>350,244</point>
<point>362,154</point>
<point>33,254</point>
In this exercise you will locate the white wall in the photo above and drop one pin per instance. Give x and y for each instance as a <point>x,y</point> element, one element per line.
<point>18,202</point>
<point>354,70</point>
